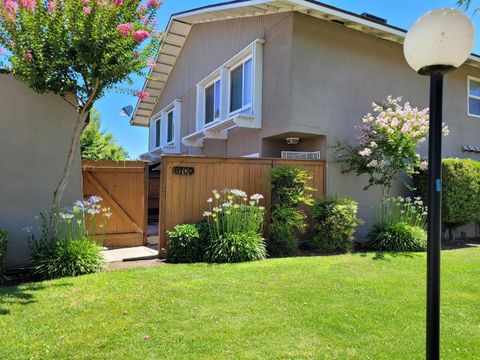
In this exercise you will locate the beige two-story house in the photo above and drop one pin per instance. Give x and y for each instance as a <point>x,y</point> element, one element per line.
<point>289,78</point>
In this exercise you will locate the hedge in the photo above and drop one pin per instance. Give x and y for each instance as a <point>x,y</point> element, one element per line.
<point>460,192</point>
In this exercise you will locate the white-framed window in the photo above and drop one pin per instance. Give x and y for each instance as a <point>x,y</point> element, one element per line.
<point>473,105</point>
<point>232,89</point>
<point>165,128</point>
<point>212,101</point>
<point>240,79</point>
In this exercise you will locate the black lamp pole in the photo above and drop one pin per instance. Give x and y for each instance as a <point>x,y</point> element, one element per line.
<point>434,245</point>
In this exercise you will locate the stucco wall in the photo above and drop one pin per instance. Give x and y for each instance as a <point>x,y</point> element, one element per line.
<point>210,45</point>
<point>337,72</point>
<point>34,135</point>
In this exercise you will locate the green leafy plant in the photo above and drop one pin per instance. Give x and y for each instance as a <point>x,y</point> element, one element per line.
<point>98,145</point>
<point>75,228</point>
<point>186,244</point>
<point>235,223</point>
<point>290,186</point>
<point>78,50</point>
<point>67,258</point>
<point>286,223</point>
<point>290,189</point>
<point>397,236</point>
<point>236,247</point>
<point>460,192</point>
<point>407,210</point>
<point>335,220</point>
<point>3,251</point>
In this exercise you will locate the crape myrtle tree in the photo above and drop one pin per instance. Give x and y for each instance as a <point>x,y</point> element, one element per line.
<point>386,144</point>
<point>79,50</point>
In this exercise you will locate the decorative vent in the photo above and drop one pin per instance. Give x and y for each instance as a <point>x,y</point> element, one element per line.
<point>374,18</point>
<point>301,155</point>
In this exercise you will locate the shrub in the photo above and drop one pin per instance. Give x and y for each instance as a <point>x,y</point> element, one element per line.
<point>73,249</point>
<point>290,186</point>
<point>290,189</point>
<point>335,220</point>
<point>396,237</point>
<point>286,221</point>
<point>3,251</point>
<point>67,257</point>
<point>460,192</point>
<point>235,224</point>
<point>407,210</point>
<point>186,244</point>
<point>236,247</point>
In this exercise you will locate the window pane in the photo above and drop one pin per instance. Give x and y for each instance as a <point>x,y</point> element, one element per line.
<point>247,82</point>
<point>170,127</point>
<point>157,133</point>
<point>217,100</point>
<point>209,103</point>
<point>474,88</point>
<point>236,89</point>
<point>474,106</point>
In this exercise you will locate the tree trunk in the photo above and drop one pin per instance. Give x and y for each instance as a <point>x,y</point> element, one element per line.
<point>79,126</point>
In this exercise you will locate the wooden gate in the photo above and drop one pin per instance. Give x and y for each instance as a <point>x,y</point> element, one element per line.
<point>187,182</point>
<point>123,187</point>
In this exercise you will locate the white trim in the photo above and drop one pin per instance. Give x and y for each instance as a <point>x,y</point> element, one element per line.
<point>253,52</point>
<point>171,147</point>
<point>470,78</point>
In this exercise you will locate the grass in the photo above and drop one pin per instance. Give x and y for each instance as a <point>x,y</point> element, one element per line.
<point>359,306</point>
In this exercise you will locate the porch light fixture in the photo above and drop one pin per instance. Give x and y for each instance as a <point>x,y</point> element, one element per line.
<point>439,42</point>
<point>292,140</point>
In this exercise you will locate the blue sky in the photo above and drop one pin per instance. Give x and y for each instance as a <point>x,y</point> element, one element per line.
<point>135,139</point>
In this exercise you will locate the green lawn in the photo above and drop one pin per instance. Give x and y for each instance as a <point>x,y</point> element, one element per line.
<point>343,307</point>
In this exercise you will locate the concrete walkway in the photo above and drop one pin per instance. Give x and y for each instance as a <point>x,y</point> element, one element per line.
<point>130,254</point>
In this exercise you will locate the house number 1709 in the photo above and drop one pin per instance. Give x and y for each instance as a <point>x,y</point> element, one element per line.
<point>183,170</point>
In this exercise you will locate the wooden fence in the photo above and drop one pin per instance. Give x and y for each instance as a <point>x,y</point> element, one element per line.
<point>123,187</point>
<point>187,182</point>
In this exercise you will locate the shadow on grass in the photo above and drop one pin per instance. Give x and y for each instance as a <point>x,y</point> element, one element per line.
<point>21,294</point>
<point>387,256</point>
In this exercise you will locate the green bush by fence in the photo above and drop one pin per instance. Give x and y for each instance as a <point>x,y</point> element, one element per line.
<point>460,192</point>
<point>335,221</point>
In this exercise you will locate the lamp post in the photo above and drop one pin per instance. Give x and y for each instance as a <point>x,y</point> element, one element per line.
<point>439,42</point>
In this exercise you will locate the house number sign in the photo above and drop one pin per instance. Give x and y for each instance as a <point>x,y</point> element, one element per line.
<point>183,170</point>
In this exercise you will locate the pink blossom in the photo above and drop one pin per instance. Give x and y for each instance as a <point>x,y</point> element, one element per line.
<point>151,63</point>
<point>394,122</point>
<point>52,5</point>
<point>153,3</point>
<point>142,94</point>
<point>140,35</point>
<point>142,9</point>
<point>365,152</point>
<point>28,56</point>
<point>11,7</point>
<point>424,165</point>
<point>373,164</point>
<point>125,29</point>
<point>28,4</point>
<point>2,51</point>
<point>86,2</point>
<point>87,10</point>
<point>118,2</point>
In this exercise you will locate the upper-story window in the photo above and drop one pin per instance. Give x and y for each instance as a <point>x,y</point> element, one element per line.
<point>212,102</point>
<point>241,86</point>
<point>234,88</point>
<point>473,96</point>
<point>165,129</point>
